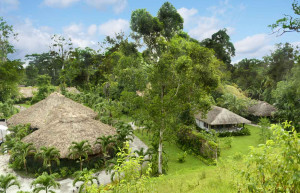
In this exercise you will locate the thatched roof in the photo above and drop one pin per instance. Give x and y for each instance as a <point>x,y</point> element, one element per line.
<point>60,121</point>
<point>221,116</point>
<point>27,92</point>
<point>262,109</point>
<point>50,109</point>
<point>62,132</point>
<point>72,90</point>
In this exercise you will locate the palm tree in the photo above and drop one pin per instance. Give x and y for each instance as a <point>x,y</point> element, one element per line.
<point>8,181</point>
<point>21,150</point>
<point>105,141</point>
<point>80,150</point>
<point>49,154</point>
<point>85,176</point>
<point>45,182</point>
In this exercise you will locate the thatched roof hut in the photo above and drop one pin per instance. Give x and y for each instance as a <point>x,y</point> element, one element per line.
<point>50,109</point>
<point>62,132</point>
<point>60,121</point>
<point>262,109</point>
<point>220,116</point>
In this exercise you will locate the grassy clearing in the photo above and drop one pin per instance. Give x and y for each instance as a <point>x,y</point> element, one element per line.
<point>174,153</point>
<point>241,143</point>
<point>195,176</point>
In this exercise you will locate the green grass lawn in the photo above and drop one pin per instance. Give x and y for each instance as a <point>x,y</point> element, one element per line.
<point>195,176</point>
<point>25,105</point>
<point>173,153</point>
<point>241,143</point>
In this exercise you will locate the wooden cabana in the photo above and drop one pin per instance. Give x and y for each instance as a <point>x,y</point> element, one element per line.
<point>221,120</point>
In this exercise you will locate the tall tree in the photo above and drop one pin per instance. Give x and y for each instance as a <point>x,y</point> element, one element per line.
<point>223,47</point>
<point>11,73</point>
<point>184,76</point>
<point>250,74</point>
<point>180,72</point>
<point>80,150</point>
<point>6,32</point>
<point>279,63</point>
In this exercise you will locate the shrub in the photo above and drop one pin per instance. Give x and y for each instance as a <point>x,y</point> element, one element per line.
<point>201,143</point>
<point>244,131</point>
<point>273,166</point>
<point>182,157</point>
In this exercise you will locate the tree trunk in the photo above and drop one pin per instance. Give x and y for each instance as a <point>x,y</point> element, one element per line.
<point>25,165</point>
<point>160,146</point>
<point>50,168</point>
<point>160,152</point>
<point>80,164</point>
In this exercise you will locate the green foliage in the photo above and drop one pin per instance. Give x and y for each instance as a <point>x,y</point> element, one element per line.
<point>86,177</point>
<point>200,143</point>
<point>80,150</point>
<point>249,74</point>
<point>181,157</point>
<point>274,166</point>
<point>127,173</point>
<point>7,109</point>
<point>6,34</point>
<point>227,142</point>
<point>11,73</point>
<point>286,97</point>
<point>244,131</point>
<point>48,154</point>
<point>265,133</point>
<point>17,133</point>
<point>223,47</point>
<point>288,23</point>
<point>19,154</point>
<point>45,182</point>
<point>44,88</point>
<point>7,181</point>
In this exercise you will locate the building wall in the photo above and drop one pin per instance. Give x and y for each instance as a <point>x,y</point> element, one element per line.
<point>200,124</point>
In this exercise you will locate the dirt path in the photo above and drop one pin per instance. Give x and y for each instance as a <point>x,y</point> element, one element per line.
<point>66,184</point>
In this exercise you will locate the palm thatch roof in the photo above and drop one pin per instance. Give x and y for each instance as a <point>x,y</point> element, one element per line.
<point>48,110</point>
<point>60,121</point>
<point>262,109</point>
<point>220,116</point>
<point>27,92</point>
<point>62,132</point>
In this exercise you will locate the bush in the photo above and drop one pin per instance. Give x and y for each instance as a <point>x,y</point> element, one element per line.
<point>7,109</point>
<point>244,131</point>
<point>200,143</point>
<point>182,157</point>
<point>273,166</point>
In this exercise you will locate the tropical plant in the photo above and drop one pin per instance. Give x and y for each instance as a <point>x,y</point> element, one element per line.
<point>86,177</point>
<point>48,154</point>
<point>20,152</point>
<point>265,132</point>
<point>8,181</point>
<point>141,153</point>
<point>45,182</point>
<point>105,141</point>
<point>80,150</point>
<point>273,166</point>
